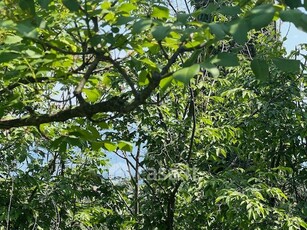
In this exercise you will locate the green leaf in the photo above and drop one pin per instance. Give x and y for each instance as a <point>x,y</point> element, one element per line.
<point>261,16</point>
<point>105,5</point>
<point>140,26</point>
<point>115,29</point>
<point>293,3</point>
<point>109,146</point>
<point>210,68</point>
<point>96,40</point>
<point>92,94</point>
<point>149,63</point>
<point>238,29</point>
<point>165,83</point>
<point>193,58</point>
<point>160,12</point>
<point>72,5</point>
<point>85,134</point>
<point>225,59</point>
<point>125,146</point>
<point>182,18</point>
<point>230,10</point>
<point>28,6</point>
<point>261,69</point>
<point>12,39</point>
<point>185,74</point>
<point>127,7</point>
<point>298,18</point>
<point>143,78</point>
<point>44,3</point>
<point>287,65</point>
<point>123,20</point>
<point>160,32</point>
<point>217,30</point>
<point>27,29</point>
<point>8,56</point>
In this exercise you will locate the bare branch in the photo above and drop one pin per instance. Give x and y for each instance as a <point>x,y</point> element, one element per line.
<point>87,75</point>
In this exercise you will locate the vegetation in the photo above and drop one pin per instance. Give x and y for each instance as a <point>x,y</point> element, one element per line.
<point>201,102</point>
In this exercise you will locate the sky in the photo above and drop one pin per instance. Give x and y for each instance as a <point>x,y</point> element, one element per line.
<point>294,35</point>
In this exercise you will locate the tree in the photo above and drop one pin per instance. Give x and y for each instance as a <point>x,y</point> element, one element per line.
<point>204,106</point>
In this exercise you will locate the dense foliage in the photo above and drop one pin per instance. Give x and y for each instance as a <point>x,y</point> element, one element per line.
<point>200,100</point>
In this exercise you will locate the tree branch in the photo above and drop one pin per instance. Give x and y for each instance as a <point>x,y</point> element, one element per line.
<point>85,78</point>
<point>115,104</point>
<point>27,80</point>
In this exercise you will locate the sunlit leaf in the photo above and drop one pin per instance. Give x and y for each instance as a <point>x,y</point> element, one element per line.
<point>91,94</point>
<point>12,39</point>
<point>160,12</point>
<point>125,146</point>
<point>127,7</point>
<point>109,146</point>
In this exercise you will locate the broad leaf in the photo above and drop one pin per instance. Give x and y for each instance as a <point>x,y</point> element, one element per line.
<point>27,29</point>
<point>261,16</point>
<point>160,32</point>
<point>109,146</point>
<point>12,39</point>
<point>230,10</point>
<point>293,3</point>
<point>185,74</point>
<point>160,12</point>
<point>28,6</point>
<point>125,146</point>
<point>217,30</point>
<point>212,69</point>
<point>298,18</point>
<point>165,83</point>
<point>44,3</point>
<point>225,59</point>
<point>141,25</point>
<point>92,94</point>
<point>238,29</point>
<point>287,65</point>
<point>261,69</point>
<point>8,56</point>
<point>72,5</point>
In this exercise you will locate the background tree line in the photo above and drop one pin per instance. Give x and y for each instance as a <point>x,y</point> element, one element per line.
<point>201,101</point>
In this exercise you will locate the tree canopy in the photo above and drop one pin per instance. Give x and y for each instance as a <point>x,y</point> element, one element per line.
<point>201,101</point>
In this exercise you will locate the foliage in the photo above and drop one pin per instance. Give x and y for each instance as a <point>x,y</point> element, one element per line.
<point>204,106</point>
